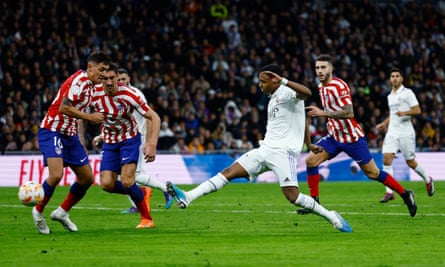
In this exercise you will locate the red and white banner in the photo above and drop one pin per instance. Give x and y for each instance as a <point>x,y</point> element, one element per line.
<point>15,170</point>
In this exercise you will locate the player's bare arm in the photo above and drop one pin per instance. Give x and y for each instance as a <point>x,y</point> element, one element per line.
<point>81,133</point>
<point>153,126</point>
<point>412,112</point>
<point>67,108</point>
<point>346,112</point>
<point>302,91</point>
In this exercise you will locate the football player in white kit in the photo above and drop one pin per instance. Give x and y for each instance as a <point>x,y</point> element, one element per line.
<point>142,176</point>
<point>400,136</point>
<point>278,152</point>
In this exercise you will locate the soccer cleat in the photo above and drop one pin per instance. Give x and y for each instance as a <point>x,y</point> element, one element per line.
<point>62,216</point>
<point>168,200</point>
<point>408,198</point>
<point>130,210</point>
<point>341,224</point>
<point>430,187</point>
<point>146,223</point>
<point>305,211</point>
<point>39,222</point>
<point>387,197</point>
<point>178,195</point>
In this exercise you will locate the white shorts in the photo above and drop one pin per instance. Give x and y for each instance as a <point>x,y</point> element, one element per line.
<point>406,145</point>
<point>282,162</point>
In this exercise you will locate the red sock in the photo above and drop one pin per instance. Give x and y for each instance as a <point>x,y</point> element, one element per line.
<point>390,182</point>
<point>70,201</point>
<point>313,181</point>
<point>41,205</point>
<point>76,193</point>
<point>143,208</point>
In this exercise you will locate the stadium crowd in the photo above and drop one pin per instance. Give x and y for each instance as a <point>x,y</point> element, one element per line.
<point>197,62</point>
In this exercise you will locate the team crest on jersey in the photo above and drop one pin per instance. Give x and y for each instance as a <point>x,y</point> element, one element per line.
<point>58,150</point>
<point>326,98</point>
<point>120,108</point>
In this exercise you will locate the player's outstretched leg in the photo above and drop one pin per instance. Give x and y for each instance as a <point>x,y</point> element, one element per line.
<point>178,195</point>
<point>304,211</point>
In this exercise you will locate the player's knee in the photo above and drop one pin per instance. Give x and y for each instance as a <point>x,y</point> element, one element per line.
<point>54,178</point>
<point>311,162</point>
<point>107,187</point>
<point>372,174</point>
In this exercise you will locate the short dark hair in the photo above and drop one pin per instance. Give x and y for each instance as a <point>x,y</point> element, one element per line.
<point>113,67</point>
<point>394,69</point>
<point>122,70</point>
<point>324,57</point>
<point>98,57</point>
<point>273,68</point>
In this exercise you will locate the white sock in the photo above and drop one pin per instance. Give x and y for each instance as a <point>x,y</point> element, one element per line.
<point>211,185</point>
<point>421,172</point>
<point>389,169</point>
<point>309,203</point>
<point>131,201</point>
<point>148,180</point>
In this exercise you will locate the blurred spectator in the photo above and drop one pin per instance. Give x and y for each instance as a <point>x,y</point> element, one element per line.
<point>198,56</point>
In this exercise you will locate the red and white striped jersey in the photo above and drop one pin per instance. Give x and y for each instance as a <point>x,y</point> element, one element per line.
<point>79,89</point>
<point>119,123</point>
<point>334,96</point>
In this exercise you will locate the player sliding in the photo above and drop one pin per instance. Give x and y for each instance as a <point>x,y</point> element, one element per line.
<point>278,151</point>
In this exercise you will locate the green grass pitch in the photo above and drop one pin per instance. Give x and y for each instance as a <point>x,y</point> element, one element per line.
<point>242,225</point>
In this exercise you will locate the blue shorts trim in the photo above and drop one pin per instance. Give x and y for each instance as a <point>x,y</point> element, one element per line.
<point>358,151</point>
<point>116,155</point>
<point>56,145</point>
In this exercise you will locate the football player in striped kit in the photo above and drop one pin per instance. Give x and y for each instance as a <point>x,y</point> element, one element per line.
<point>62,142</point>
<point>344,135</point>
<point>142,176</point>
<point>122,140</point>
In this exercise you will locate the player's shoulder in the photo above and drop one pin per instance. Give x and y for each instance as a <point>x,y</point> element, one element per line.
<point>338,82</point>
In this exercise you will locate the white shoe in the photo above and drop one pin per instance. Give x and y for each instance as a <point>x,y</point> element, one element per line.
<point>39,222</point>
<point>62,216</point>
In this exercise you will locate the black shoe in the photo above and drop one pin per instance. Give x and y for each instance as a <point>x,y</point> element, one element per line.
<point>305,211</point>
<point>408,198</point>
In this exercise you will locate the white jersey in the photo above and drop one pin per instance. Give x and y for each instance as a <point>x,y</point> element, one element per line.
<point>140,120</point>
<point>284,139</point>
<point>286,120</point>
<point>401,100</point>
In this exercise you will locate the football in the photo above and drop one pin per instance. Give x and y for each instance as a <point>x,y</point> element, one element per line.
<point>31,193</point>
